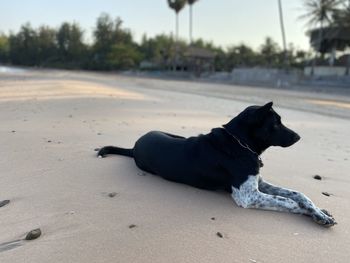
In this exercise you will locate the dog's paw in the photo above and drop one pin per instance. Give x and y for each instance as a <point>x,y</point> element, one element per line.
<point>324,219</point>
<point>327,213</point>
<point>102,152</point>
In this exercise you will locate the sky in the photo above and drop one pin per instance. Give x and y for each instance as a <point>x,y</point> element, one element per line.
<point>224,22</point>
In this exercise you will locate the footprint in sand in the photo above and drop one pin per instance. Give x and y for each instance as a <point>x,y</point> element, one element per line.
<point>4,202</point>
<point>31,235</point>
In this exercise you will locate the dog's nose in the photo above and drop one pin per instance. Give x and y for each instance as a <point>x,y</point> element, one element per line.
<point>297,137</point>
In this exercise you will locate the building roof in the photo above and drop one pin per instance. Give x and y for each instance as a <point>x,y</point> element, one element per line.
<point>199,53</point>
<point>338,37</point>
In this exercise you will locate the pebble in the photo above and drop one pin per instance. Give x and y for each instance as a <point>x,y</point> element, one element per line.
<point>219,235</point>
<point>132,226</point>
<point>326,194</point>
<point>317,177</point>
<point>4,202</point>
<point>213,218</point>
<point>34,234</point>
<point>113,194</point>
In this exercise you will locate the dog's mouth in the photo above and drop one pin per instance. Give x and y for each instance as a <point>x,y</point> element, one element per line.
<point>294,139</point>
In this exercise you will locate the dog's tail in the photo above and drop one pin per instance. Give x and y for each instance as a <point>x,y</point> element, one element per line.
<point>115,150</point>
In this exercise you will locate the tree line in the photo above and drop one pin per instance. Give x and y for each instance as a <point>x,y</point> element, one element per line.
<point>113,47</point>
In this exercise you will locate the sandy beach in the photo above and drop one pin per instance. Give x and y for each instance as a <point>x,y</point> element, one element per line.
<point>51,122</point>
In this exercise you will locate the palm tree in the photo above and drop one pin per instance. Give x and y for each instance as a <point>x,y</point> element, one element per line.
<point>177,5</point>
<point>341,17</point>
<point>320,12</point>
<point>191,2</point>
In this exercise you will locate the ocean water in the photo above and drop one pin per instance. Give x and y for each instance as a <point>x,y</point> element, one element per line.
<point>12,70</point>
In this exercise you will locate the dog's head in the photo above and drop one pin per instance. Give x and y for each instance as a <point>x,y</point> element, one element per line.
<point>264,127</point>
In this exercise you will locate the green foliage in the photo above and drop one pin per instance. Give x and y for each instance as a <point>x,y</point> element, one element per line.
<point>191,2</point>
<point>270,53</point>
<point>4,48</point>
<point>341,17</point>
<point>70,47</point>
<point>46,44</point>
<point>123,56</point>
<point>24,48</point>
<point>111,38</point>
<point>241,56</point>
<point>177,5</point>
<point>157,49</point>
<point>114,48</point>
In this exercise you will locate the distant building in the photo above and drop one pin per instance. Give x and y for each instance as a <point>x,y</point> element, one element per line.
<point>191,60</point>
<point>199,60</point>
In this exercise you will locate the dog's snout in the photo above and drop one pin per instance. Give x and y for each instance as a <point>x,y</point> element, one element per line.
<point>297,137</point>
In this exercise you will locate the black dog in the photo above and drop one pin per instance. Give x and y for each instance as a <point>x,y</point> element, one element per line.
<point>227,158</point>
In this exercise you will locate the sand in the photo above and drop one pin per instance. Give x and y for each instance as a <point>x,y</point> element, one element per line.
<point>51,122</point>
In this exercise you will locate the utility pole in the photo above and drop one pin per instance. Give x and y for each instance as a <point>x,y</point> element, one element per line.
<point>191,24</point>
<point>283,34</point>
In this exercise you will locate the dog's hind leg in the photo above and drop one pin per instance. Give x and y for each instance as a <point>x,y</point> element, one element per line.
<point>319,215</point>
<point>248,195</point>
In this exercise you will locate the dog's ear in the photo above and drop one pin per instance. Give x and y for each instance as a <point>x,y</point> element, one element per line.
<point>263,110</point>
<point>268,106</point>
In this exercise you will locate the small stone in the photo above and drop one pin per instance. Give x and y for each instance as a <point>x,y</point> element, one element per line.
<point>49,141</point>
<point>219,235</point>
<point>99,133</point>
<point>213,218</point>
<point>113,194</point>
<point>34,234</point>
<point>13,131</point>
<point>317,177</point>
<point>4,202</point>
<point>132,226</point>
<point>326,194</point>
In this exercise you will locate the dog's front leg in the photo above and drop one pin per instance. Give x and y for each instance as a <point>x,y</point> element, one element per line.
<point>319,215</point>
<point>248,195</point>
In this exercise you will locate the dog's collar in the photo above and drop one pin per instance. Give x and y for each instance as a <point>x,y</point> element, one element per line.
<point>245,146</point>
